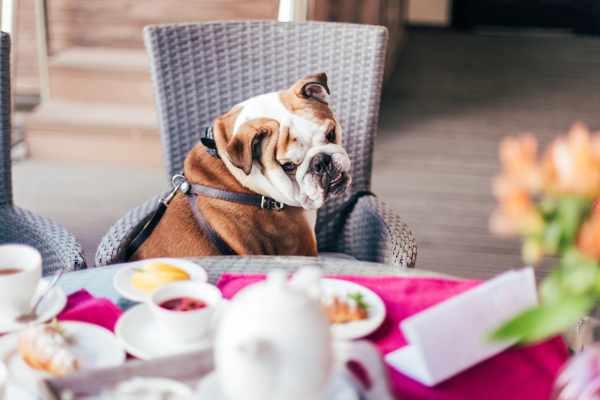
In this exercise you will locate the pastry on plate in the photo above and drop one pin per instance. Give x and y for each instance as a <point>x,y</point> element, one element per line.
<point>341,311</point>
<point>155,274</point>
<point>44,347</point>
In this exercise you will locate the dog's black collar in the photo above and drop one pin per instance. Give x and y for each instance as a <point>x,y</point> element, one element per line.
<point>208,141</point>
<point>190,191</point>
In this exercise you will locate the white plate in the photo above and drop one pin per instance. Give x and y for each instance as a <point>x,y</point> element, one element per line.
<point>94,346</point>
<point>339,389</point>
<point>50,306</point>
<point>142,337</point>
<point>355,329</point>
<point>122,279</point>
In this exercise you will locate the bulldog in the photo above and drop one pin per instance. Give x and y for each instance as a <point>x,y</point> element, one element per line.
<point>285,146</point>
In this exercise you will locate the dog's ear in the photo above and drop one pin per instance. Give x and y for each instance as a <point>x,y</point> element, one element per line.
<point>247,143</point>
<point>313,86</point>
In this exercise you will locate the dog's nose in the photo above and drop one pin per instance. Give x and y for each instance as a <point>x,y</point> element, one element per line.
<point>321,164</point>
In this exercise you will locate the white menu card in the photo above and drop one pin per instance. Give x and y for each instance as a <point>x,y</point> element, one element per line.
<point>450,337</point>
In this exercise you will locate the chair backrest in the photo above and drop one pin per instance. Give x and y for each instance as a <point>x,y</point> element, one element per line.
<point>5,121</point>
<point>201,70</point>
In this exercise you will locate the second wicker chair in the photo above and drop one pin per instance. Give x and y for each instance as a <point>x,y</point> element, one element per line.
<point>59,248</point>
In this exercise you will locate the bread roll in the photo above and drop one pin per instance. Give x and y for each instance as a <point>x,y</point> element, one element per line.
<point>44,347</point>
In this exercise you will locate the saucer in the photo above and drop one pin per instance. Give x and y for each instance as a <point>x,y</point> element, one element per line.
<point>122,279</point>
<point>142,337</point>
<point>94,347</point>
<point>50,306</point>
<point>355,329</point>
<point>339,388</point>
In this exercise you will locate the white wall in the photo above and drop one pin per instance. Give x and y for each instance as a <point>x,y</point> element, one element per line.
<point>429,12</point>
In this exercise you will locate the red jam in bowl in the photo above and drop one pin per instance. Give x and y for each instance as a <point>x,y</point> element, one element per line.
<point>183,304</point>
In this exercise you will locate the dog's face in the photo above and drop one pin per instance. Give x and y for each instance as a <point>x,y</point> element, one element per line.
<point>287,145</point>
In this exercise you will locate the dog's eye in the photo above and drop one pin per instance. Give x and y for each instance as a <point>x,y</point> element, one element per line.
<point>289,166</point>
<point>331,136</point>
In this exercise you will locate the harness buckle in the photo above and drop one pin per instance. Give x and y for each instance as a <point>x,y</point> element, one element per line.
<point>177,185</point>
<point>270,204</point>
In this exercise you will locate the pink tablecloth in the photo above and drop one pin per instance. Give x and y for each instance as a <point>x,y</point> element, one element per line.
<point>82,306</point>
<point>517,374</point>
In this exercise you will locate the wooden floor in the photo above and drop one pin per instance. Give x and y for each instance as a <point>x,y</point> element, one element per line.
<point>451,99</point>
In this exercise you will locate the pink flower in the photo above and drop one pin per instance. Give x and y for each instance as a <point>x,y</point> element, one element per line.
<point>580,377</point>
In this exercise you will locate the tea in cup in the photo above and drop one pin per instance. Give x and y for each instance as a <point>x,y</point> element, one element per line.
<point>20,274</point>
<point>185,309</point>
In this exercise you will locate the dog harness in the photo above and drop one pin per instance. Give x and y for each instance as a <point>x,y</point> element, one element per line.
<point>180,183</point>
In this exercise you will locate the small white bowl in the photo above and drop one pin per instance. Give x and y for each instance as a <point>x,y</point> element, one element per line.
<point>186,326</point>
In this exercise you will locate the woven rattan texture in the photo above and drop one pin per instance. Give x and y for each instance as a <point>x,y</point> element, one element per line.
<point>201,70</point>
<point>58,247</point>
<point>5,121</point>
<point>114,244</point>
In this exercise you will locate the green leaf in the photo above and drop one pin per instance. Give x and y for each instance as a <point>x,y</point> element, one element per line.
<point>547,206</point>
<point>572,258</point>
<point>580,279</point>
<point>569,215</point>
<point>358,297</point>
<point>550,289</point>
<point>58,326</point>
<point>552,237</point>
<point>543,321</point>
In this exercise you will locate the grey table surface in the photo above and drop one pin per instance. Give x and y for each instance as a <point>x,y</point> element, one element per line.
<point>99,281</point>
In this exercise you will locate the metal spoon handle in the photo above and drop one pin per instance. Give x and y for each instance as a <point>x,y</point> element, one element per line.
<point>50,286</point>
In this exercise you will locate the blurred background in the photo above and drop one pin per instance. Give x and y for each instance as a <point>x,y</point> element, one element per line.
<point>460,74</point>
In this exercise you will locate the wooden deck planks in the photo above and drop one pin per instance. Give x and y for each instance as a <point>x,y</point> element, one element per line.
<point>452,98</point>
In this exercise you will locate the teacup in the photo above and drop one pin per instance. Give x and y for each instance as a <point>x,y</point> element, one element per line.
<point>20,274</point>
<point>185,326</point>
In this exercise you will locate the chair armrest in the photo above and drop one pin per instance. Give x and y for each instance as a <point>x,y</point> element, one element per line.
<point>374,232</point>
<point>58,247</point>
<point>113,245</point>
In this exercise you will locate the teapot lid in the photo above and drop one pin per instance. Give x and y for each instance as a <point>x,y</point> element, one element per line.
<point>277,294</point>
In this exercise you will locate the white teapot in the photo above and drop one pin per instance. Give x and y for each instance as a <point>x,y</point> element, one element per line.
<point>274,341</point>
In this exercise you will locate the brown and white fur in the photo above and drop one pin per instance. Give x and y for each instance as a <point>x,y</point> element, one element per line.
<point>255,140</point>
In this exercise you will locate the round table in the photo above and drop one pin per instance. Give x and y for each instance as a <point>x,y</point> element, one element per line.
<point>99,281</point>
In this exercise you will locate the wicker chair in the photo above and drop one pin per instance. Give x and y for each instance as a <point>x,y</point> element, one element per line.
<point>59,248</point>
<point>201,70</point>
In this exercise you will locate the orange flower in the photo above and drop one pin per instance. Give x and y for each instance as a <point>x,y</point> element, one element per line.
<point>513,187</point>
<point>588,241</point>
<point>518,156</point>
<point>517,213</point>
<point>571,164</point>
<point>595,207</point>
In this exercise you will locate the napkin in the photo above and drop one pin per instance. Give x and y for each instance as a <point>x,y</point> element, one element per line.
<point>525,373</point>
<point>83,307</point>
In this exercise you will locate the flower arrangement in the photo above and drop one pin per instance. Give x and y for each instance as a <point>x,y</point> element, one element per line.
<point>548,200</point>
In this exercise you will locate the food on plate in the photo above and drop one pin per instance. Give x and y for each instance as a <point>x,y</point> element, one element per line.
<point>183,304</point>
<point>341,311</point>
<point>44,347</point>
<point>155,274</point>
